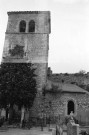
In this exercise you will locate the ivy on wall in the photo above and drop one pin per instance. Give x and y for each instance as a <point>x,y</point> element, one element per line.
<point>17,51</point>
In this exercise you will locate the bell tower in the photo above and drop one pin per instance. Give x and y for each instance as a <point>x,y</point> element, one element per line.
<point>27,41</point>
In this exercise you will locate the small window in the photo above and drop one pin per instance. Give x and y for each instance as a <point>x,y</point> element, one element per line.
<point>22,26</point>
<point>32,26</point>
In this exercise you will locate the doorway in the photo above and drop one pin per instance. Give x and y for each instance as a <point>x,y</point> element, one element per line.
<point>70,107</point>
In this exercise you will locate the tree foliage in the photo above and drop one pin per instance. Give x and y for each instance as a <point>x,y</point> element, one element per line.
<point>17,84</point>
<point>81,73</point>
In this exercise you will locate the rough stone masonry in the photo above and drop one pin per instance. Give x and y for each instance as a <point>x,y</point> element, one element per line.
<point>29,31</point>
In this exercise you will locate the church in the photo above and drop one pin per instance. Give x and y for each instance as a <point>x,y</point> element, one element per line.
<point>29,31</point>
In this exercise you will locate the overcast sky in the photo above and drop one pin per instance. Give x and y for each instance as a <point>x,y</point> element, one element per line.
<point>69,38</point>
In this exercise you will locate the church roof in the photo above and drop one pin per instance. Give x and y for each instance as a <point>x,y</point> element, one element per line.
<point>64,87</point>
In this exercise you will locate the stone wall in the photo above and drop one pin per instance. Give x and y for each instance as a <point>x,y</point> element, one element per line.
<point>59,104</point>
<point>36,53</point>
<point>35,45</point>
<point>41,18</point>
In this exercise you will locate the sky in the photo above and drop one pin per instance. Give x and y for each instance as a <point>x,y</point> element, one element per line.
<point>69,38</point>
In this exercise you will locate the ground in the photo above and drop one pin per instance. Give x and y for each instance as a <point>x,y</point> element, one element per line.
<point>33,131</point>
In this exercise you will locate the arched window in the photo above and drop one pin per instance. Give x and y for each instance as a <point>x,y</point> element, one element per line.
<point>71,107</point>
<point>32,26</point>
<point>22,26</point>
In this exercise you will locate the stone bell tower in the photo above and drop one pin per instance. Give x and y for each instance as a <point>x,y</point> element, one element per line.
<point>27,41</point>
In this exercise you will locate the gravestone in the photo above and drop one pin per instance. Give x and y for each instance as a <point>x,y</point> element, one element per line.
<point>72,128</point>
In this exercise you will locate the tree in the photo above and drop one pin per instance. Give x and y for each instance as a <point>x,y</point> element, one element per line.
<point>82,72</point>
<point>17,84</point>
